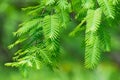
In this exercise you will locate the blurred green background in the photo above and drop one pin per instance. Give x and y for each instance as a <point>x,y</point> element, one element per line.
<point>71,65</point>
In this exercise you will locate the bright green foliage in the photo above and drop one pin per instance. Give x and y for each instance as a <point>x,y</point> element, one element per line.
<point>51,27</point>
<point>41,32</point>
<point>107,7</point>
<point>93,20</point>
<point>26,27</point>
<point>92,41</point>
<point>63,4</point>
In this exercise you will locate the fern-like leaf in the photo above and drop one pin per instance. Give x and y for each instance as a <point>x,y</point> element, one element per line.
<point>107,8</point>
<point>64,18</point>
<point>51,27</point>
<point>92,50</point>
<point>63,4</point>
<point>93,20</point>
<point>89,4</point>
<point>26,27</point>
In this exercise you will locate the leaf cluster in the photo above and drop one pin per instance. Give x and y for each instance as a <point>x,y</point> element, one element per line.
<point>41,32</point>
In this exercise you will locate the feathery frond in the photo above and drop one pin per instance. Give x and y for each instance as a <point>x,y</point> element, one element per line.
<point>89,4</point>
<point>51,27</point>
<point>93,20</point>
<point>63,4</point>
<point>27,26</point>
<point>107,7</point>
<point>92,50</point>
<point>42,31</point>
